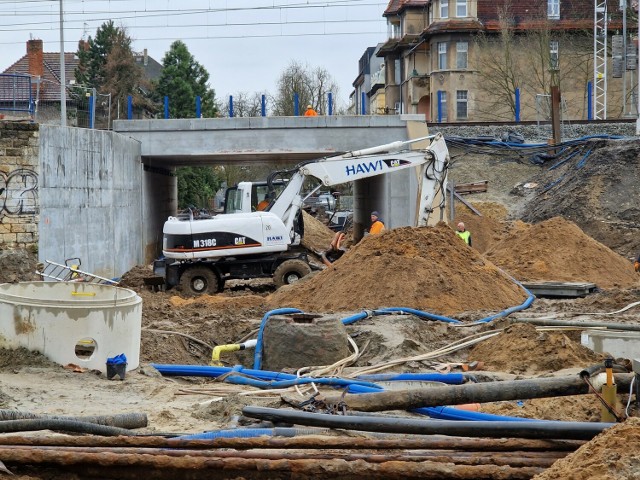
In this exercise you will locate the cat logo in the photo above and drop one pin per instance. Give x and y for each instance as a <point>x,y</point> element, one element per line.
<point>240,240</point>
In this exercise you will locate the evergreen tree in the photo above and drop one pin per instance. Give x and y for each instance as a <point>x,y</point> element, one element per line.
<point>182,80</point>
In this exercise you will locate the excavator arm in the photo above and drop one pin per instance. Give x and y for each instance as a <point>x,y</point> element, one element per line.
<point>431,162</point>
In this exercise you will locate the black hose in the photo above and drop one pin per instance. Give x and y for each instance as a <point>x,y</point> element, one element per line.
<point>32,425</point>
<point>595,369</point>
<point>124,420</point>
<point>533,429</point>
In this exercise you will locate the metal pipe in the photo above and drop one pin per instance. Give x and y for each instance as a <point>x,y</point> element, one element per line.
<point>390,442</point>
<point>131,466</point>
<point>570,323</point>
<point>533,429</point>
<point>470,393</point>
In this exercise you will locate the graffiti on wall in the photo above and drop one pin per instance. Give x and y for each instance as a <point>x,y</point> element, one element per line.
<point>18,193</point>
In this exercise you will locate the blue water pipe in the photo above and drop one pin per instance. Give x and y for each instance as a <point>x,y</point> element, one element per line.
<point>266,379</point>
<point>257,357</point>
<point>253,432</point>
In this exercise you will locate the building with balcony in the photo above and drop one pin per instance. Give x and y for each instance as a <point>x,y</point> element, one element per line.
<point>477,60</point>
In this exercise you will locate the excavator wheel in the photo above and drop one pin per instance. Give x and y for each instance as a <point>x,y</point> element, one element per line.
<point>198,281</point>
<point>290,271</point>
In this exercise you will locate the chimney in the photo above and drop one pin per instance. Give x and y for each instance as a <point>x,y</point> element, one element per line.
<point>34,55</point>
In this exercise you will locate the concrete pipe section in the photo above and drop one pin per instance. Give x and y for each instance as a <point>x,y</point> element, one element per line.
<point>69,322</point>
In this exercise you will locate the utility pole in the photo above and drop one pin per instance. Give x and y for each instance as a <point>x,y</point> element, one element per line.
<point>63,79</point>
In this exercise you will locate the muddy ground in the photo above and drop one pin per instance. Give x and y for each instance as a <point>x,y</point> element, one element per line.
<point>581,226</point>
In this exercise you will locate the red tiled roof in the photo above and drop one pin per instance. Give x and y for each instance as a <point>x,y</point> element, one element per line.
<point>50,81</point>
<point>397,6</point>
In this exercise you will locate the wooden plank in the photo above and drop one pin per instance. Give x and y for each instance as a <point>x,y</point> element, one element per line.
<point>474,187</point>
<point>467,204</point>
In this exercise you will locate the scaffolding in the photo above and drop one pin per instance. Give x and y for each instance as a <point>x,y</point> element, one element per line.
<point>600,60</point>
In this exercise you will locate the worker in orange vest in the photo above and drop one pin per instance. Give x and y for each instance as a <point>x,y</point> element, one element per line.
<point>376,224</point>
<point>310,112</point>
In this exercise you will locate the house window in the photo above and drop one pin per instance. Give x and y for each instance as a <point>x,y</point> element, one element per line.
<point>442,55</point>
<point>462,54</point>
<point>461,8</point>
<point>461,104</point>
<point>442,106</point>
<point>394,30</point>
<point>444,8</point>
<point>554,47</point>
<point>553,9</point>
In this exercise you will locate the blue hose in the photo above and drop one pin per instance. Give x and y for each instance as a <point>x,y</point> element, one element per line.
<point>257,357</point>
<point>420,313</point>
<point>252,433</point>
<point>354,386</point>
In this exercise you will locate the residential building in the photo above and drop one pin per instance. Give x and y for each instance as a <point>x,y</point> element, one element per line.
<point>464,60</point>
<point>368,73</point>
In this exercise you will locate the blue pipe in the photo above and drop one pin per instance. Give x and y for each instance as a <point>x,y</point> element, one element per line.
<point>257,357</point>
<point>442,413</point>
<point>422,314</point>
<point>448,378</point>
<point>252,433</point>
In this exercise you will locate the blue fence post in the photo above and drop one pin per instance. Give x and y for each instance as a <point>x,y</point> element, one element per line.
<point>589,101</point>
<point>230,106</point>
<point>263,105</point>
<point>330,101</point>
<point>166,107</point>
<point>91,112</point>
<point>296,105</point>
<point>130,107</point>
<point>439,106</point>
<point>363,107</point>
<point>198,106</point>
<point>517,105</point>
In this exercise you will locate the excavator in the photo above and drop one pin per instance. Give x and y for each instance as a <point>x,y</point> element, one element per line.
<point>200,254</point>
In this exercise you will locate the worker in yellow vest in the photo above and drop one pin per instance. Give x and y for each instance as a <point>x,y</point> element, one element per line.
<point>463,233</point>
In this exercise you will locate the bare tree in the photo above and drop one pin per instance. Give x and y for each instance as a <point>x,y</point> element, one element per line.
<point>311,85</point>
<point>244,105</point>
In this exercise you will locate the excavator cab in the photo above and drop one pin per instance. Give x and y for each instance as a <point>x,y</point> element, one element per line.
<point>247,197</point>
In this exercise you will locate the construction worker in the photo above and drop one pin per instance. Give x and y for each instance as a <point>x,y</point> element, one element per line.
<point>463,233</point>
<point>310,112</point>
<point>637,264</point>
<point>376,224</point>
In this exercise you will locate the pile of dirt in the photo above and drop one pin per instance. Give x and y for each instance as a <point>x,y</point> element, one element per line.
<point>18,265</point>
<point>317,236</point>
<point>572,408</point>
<point>427,268</point>
<point>599,192</point>
<point>521,349</point>
<point>134,278</point>
<point>558,250</point>
<point>486,230</point>
<point>614,455</point>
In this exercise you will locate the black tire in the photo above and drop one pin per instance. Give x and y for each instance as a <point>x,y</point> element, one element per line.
<point>198,281</point>
<point>290,271</point>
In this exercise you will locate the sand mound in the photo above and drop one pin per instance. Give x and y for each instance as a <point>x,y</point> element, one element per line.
<point>614,455</point>
<point>486,230</point>
<point>521,349</point>
<point>558,250</point>
<point>317,236</point>
<point>427,268</point>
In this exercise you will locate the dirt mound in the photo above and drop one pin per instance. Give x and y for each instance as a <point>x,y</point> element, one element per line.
<point>486,230</point>
<point>18,265</point>
<point>614,455</point>
<point>521,349</point>
<point>426,268</point>
<point>599,192</point>
<point>317,236</point>
<point>557,250</point>
<point>134,278</point>
<point>575,408</point>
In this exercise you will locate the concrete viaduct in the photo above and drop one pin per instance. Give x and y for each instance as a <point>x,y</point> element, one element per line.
<point>104,196</point>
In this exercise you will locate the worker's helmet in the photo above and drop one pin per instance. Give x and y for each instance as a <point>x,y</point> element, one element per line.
<point>309,106</point>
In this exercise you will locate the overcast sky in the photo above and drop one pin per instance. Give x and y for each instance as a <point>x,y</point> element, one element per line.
<point>243,44</point>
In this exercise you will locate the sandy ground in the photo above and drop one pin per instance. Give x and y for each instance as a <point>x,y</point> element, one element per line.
<point>429,270</point>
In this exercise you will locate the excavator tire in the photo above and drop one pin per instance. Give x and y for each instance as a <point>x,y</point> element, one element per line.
<point>198,281</point>
<point>290,271</point>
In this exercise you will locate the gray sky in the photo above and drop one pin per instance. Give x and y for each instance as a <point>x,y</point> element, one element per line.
<point>243,44</point>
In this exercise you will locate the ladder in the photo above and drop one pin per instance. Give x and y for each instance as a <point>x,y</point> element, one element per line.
<point>70,273</point>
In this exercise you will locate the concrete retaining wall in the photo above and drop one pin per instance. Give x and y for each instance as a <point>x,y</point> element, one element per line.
<point>19,171</point>
<point>90,187</point>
